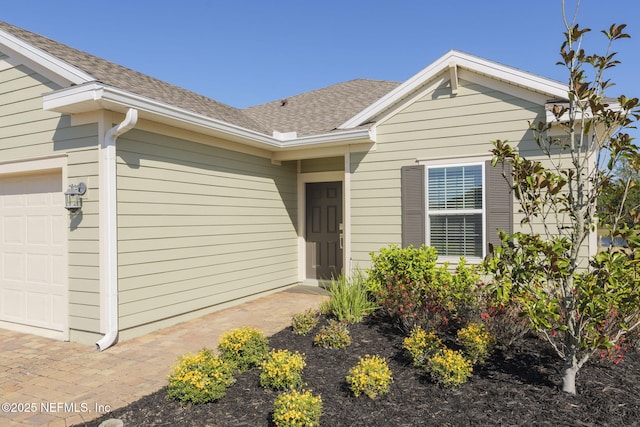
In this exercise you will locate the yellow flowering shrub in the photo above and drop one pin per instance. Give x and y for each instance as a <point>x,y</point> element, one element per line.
<point>200,378</point>
<point>421,345</point>
<point>370,376</point>
<point>449,368</point>
<point>477,342</point>
<point>282,369</point>
<point>297,409</point>
<point>245,347</point>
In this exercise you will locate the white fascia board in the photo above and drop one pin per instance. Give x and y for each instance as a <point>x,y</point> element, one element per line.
<point>459,60</point>
<point>587,114</point>
<point>94,96</point>
<point>349,136</point>
<point>43,59</point>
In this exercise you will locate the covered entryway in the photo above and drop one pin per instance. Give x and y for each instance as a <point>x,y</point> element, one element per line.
<point>33,260</point>
<point>324,230</point>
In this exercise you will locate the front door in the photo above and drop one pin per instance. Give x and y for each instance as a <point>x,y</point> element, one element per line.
<point>324,230</point>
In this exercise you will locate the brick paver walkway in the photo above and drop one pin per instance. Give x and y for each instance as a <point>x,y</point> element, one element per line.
<point>55,383</point>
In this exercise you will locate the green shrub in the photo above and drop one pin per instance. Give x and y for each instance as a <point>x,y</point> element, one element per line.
<point>371,376</point>
<point>449,368</point>
<point>477,342</point>
<point>282,369</point>
<point>349,299</point>
<point>334,335</point>
<point>297,409</point>
<point>407,284</point>
<point>303,323</point>
<point>200,378</point>
<point>393,262</point>
<point>422,345</point>
<point>245,347</point>
<point>459,290</point>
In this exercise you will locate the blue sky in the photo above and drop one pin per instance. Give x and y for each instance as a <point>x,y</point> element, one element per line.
<point>247,52</point>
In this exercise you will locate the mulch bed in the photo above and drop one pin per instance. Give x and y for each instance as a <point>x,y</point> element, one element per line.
<point>520,386</point>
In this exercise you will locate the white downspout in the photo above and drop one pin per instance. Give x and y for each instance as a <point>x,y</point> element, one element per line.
<point>110,231</point>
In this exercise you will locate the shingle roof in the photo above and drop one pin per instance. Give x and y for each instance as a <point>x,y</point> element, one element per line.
<point>322,110</point>
<point>316,112</point>
<point>132,81</point>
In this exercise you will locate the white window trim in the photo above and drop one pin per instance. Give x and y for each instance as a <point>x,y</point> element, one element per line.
<point>456,163</point>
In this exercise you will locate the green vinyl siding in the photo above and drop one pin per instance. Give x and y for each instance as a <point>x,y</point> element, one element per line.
<point>322,164</point>
<point>435,126</point>
<point>28,132</point>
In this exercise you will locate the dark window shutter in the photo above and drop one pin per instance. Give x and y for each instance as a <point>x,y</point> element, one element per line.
<point>499,201</point>
<point>413,206</point>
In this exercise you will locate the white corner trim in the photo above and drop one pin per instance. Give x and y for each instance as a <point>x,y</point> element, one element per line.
<point>346,217</point>
<point>460,60</point>
<point>43,59</point>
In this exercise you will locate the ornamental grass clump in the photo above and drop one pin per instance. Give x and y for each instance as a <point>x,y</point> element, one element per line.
<point>200,378</point>
<point>334,335</point>
<point>371,376</point>
<point>349,299</point>
<point>476,341</point>
<point>422,345</point>
<point>297,409</point>
<point>282,370</point>
<point>245,347</point>
<point>303,323</point>
<point>449,368</point>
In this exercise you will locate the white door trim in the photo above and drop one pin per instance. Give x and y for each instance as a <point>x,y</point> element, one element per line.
<point>303,179</point>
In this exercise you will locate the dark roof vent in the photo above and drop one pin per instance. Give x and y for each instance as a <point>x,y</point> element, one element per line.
<point>284,102</point>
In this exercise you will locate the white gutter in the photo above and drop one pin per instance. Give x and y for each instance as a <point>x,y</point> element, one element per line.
<point>110,227</point>
<point>87,97</point>
<point>95,96</point>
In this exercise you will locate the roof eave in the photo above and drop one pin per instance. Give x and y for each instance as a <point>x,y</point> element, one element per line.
<point>352,136</point>
<point>463,60</point>
<point>39,59</point>
<point>96,96</point>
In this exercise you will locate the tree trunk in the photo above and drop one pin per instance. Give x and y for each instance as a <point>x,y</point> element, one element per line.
<point>569,376</point>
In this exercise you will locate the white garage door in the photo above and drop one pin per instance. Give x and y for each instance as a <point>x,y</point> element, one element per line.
<point>33,280</point>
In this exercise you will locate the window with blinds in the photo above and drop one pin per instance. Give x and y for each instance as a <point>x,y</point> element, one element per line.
<point>455,210</point>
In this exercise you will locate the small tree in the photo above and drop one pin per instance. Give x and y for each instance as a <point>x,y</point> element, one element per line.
<point>579,301</point>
